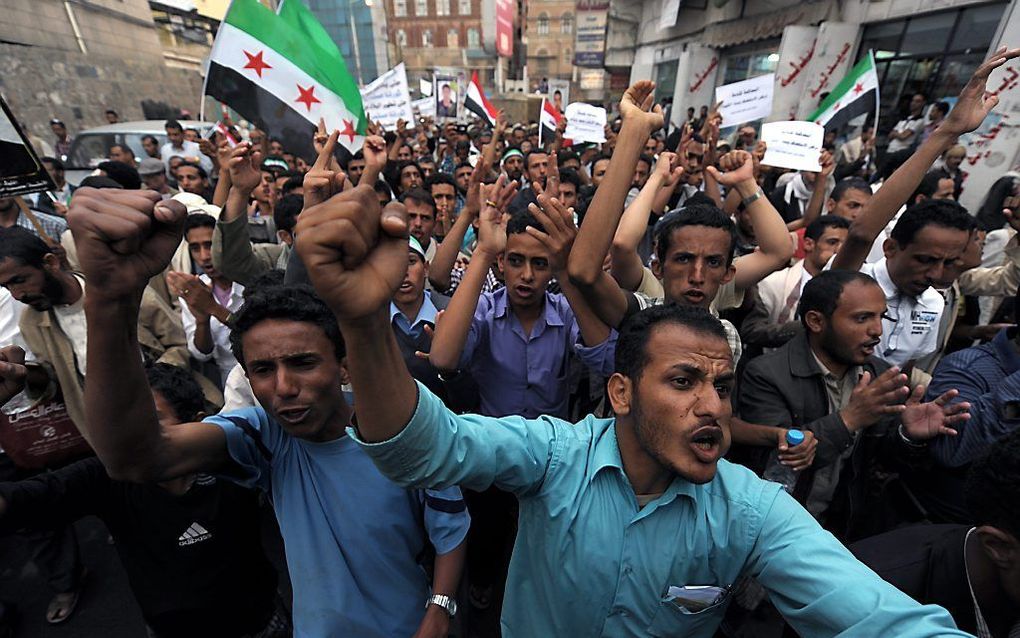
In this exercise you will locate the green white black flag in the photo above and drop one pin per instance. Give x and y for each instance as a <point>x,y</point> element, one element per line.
<point>856,94</point>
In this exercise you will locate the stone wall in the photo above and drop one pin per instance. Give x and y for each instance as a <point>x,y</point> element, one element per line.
<point>42,83</point>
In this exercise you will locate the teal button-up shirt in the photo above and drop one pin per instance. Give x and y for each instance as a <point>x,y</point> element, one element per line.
<point>588,562</point>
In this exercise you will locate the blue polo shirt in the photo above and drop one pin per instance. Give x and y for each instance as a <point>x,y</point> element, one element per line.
<point>353,538</point>
<point>588,562</point>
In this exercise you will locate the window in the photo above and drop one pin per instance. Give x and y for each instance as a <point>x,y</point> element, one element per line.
<point>933,54</point>
<point>442,7</point>
<point>464,7</point>
<point>543,24</point>
<point>665,79</point>
<point>426,38</point>
<point>400,8</point>
<point>452,39</point>
<point>567,24</point>
<point>401,38</point>
<point>567,56</point>
<point>421,7</point>
<point>473,40</point>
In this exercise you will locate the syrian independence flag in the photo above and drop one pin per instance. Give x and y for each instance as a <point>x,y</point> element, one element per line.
<point>476,102</point>
<point>855,95</point>
<point>283,73</point>
<point>548,119</point>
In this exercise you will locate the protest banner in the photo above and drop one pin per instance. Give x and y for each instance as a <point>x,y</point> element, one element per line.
<point>21,172</point>
<point>745,101</point>
<point>387,99</point>
<point>793,144</point>
<point>585,123</point>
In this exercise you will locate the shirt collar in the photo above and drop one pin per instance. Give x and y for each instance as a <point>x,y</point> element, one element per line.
<point>427,312</point>
<point>885,282</point>
<point>501,306</point>
<point>607,455</point>
<point>1007,352</point>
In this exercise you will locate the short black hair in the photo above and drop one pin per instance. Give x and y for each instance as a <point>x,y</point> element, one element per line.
<point>632,345</point>
<point>565,156</point>
<point>992,484</point>
<point>173,124</point>
<point>647,159</point>
<point>293,183</point>
<point>179,388</point>
<point>271,277</point>
<point>54,162</point>
<point>382,188</point>
<point>534,151</point>
<point>693,215</point>
<point>109,111</point>
<point>150,137</point>
<point>929,184</point>
<point>198,220</point>
<point>440,178</point>
<point>23,246</point>
<point>823,291</point>
<point>942,106</point>
<point>99,181</point>
<point>463,165</point>
<point>286,212</point>
<point>195,165</point>
<point>519,222</point>
<point>570,175</point>
<point>848,184</point>
<point>819,226</point>
<point>419,196</point>
<point>937,212</point>
<point>287,303</point>
<point>125,175</point>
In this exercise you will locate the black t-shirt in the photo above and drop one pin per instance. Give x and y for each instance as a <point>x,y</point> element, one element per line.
<point>195,562</point>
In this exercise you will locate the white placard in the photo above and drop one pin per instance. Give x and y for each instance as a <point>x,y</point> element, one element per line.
<point>387,99</point>
<point>745,101</point>
<point>585,123</point>
<point>426,107</point>
<point>425,87</point>
<point>670,9</point>
<point>794,144</point>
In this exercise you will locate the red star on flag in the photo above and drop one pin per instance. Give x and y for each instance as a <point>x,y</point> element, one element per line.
<point>256,63</point>
<point>858,88</point>
<point>307,96</point>
<point>348,130</point>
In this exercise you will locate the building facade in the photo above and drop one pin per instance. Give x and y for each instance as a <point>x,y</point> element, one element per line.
<point>918,45</point>
<point>550,40</point>
<point>359,29</point>
<point>425,34</point>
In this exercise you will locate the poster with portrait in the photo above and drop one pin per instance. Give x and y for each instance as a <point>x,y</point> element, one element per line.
<point>559,93</point>
<point>446,93</point>
<point>21,172</point>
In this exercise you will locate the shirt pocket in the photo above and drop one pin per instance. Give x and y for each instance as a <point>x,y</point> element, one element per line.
<point>670,622</point>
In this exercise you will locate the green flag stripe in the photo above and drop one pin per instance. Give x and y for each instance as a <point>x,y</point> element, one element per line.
<point>844,86</point>
<point>301,48</point>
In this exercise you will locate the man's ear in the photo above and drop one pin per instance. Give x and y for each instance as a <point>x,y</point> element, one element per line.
<point>889,247</point>
<point>620,390</point>
<point>345,375</point>
<point>830,205</point>
<point>656,268</point>
<point>730,272</point>
<point>1000,546</point>
<point>51,261</point>
<point>815,321</point>
<point>285,237</point>
<point>499,262</point>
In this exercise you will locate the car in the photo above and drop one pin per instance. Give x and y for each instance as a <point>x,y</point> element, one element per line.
<point>91,146</point>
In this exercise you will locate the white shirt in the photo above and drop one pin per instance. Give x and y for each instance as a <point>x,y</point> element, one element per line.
<point>237,392</point>
<point>10,315</point>
<point>71,319</point>
<point>221,352</point>
<point>188,149</point>
<point>911,324</point>
<point>915,124</point>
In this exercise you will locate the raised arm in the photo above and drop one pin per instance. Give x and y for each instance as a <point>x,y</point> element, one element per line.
<point>774,246</point>
<point>124,238</point>
<point>232,252</point>
<point>627,267</point>
<point>814,206</point>
<point>451,334</point>
<point>971,109</point>
<point>600,223</point>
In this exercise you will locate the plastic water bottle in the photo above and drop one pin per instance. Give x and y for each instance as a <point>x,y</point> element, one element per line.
<point>784,474</point>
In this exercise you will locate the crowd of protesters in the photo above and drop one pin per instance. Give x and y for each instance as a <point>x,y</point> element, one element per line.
<point>474,373</point>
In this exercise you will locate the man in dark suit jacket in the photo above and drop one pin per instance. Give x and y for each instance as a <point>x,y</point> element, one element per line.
<point>826,381</point>
<point>974,572</point>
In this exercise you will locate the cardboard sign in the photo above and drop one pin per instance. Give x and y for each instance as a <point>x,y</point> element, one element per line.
<point>21,172</point>
<point>585,123</point>
<point>795,145</point>
<point>387,98</point>
<point>745,101</point>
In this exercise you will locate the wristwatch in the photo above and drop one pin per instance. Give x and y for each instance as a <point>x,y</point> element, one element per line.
<point>444,601</point>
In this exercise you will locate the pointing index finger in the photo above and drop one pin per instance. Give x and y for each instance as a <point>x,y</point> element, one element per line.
<point>322,161</point>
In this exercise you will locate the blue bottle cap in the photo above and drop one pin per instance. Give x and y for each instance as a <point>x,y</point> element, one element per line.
<point>794,437</point>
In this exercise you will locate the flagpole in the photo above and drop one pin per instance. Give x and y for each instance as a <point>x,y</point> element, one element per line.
<point>871,54</point>
<point>205,80</point>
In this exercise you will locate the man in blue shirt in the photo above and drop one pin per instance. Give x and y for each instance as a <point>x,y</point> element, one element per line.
<point>354,540</point>
<point>629,526</point>
<point>988,377</point>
